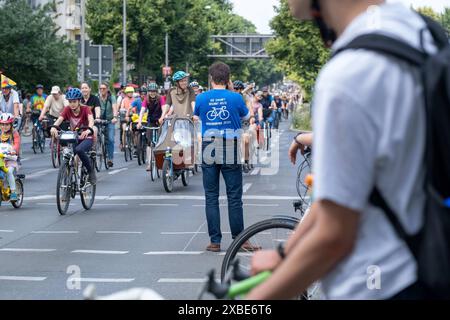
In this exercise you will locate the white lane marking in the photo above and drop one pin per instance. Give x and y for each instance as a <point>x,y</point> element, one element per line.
<point>105,280</point>
<point>55,232</point>
<point>100,251</point>
<point>255,171</point>
<point>195,234</point>
<point>26,250</point>
<point>163,197</point>
<point>119,232</point>
<point>246,187</point>
<point>20,278</point>
<point>117,171</point>
<point>54,204</point>
<point>204,205</point>
<point>260,205</point>
<point>159,205</point>
<point>187,232</point>
<point>40,173</point>
<point>186,280</point>
<point>6,230</point>
<point>111,204</point>
<point>244,254</point>
<point>25,159</point>
<point>172,253</point>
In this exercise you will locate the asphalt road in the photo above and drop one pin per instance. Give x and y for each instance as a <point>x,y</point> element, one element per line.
<point>136,235</point>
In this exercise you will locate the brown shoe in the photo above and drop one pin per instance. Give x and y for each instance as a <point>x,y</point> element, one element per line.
<point>247,246</point>
<point>213,247</point>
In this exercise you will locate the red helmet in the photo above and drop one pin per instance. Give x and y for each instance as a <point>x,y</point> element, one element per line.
<point>6,118</point>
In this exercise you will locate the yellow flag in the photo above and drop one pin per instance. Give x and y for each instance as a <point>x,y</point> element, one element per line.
<point>5,81</point>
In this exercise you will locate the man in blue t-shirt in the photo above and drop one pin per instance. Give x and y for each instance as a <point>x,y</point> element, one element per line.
<point>220,112</point>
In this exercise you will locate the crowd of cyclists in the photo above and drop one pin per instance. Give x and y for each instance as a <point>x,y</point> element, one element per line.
<point>130,107</point>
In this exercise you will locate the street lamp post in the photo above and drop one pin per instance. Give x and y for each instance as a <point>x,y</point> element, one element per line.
<point>124,41</point>
<point>83,40</point>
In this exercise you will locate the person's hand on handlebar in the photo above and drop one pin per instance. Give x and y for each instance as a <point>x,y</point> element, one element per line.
<point>54,132</point>
<point>265,260</point>
<point>41,118</point>
<point>85,134</point>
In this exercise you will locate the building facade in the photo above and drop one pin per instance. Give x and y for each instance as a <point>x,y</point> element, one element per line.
<point>66,14</point>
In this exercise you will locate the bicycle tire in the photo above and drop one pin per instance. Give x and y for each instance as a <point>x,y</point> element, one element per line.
<point>303,170</point>
<point>152,163</point>
<point>185,177</point>
<point>19,191</point>
<point>167,177</point>
<point>259,227</point>
<point>87,202</point>
<point>99,153</point>
<point>54,152</point>
<point>33,145</point>
<point>41,140</point>
<point>105,154</point>
<point>27,127</point>
<point>138,149</point>
<point>65,173</point>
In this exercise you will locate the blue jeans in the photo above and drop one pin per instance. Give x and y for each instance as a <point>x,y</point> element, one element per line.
<point>110,142</point>
<point>81,151</point>
<point>232,174</point>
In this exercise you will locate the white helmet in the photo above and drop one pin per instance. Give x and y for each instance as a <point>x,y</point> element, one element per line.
<point>6,118</point>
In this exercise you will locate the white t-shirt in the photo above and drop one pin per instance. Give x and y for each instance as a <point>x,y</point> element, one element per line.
<point>8,106</point>
<point>369,128</point>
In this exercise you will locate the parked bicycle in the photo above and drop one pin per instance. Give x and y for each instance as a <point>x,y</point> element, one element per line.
<point>70,180</point>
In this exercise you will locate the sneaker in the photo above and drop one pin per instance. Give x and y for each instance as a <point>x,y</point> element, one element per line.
<point>110,163</point>
<point>92,177</point>
<point>13,196</point>
<point>213,247</point>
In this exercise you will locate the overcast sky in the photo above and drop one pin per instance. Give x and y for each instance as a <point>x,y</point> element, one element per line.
<point>261,11</point>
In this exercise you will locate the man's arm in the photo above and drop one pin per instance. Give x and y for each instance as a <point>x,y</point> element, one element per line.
<point>330,239</point>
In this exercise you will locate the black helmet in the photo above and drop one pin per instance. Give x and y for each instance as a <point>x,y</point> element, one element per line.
<point>143,90</point>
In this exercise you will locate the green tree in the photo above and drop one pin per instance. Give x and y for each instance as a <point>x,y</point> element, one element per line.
<point>428,11</point>
<point>189,25</point>
<point>31,52</point>
<point>297,48</point>
<point>445,20</point>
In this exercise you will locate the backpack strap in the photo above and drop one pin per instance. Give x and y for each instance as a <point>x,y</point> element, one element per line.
<point>386,45</point>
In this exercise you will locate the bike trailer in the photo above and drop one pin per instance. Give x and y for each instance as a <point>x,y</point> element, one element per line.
<point>176,140</point>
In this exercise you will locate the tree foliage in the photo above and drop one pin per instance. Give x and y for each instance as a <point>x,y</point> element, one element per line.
<point>189,25</point>
<point>297,48</point>
<point>31,52</point>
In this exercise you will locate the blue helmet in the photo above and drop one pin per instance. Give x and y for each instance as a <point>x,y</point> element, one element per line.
<point>74,94</point>
<point>180,75</point>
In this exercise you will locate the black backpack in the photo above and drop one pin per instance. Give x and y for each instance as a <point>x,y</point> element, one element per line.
<point>431,246</point>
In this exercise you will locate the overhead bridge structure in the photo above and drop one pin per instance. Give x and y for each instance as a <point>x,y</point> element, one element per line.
<point>241,46</point>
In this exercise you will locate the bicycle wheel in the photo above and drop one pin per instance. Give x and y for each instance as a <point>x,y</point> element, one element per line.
<point>87,190</point>
<point>185,177</point>
<point>99,153</point>
<point>19,191</point>
<point>41,140</point>
<point>64,187</point>
<point>143,148</point>
<point>105,154</point>
<point>167,176</point>
<point>54,152</point>
<point>34,140</point>
<point>152,163</point>
<point>138,149</point>
<point>303,170</point>
<point>27,127</point>
<point>266,234</point>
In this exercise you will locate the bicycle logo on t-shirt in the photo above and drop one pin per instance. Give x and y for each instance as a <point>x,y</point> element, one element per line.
<point>221,112</point>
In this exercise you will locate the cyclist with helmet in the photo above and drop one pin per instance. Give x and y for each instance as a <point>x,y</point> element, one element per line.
<point>153,109</point>
<point>279,107</point>
<point>247,125</point>
<point>80,118</point>
<point>268,105</point>
<point>180,99</point>
<point>194,85</point>
<point>11,137</point>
